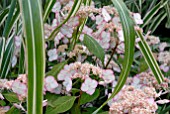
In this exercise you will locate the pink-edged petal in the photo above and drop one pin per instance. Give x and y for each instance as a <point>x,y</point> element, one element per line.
<point>84,87</point>
<point>88,80</point>
<point>67,31</point>
<point>90,91</point>
<point>68,83</point>
<point>50,83</point>
<point>164,101</point>
<point>106,15</point>
<point>58,89</point>
<point>61,75</point>
<point>99,19</point>
<point>56,7</point>
<point>94,83</point>
<point>137,18</point>
<point>73,22</point>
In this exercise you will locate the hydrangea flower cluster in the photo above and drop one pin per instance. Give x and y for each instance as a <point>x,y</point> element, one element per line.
<point>147,79</point>
<point>139,95</point>
<point>18,86</point>
<point>164,57</point>
<point>83,71</point>
<point>133,101</point>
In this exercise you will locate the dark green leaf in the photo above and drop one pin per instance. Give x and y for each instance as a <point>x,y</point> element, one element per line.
<point>56,69</point>
<point>11,97</point>
<point>2,103</point>
<point>85,98</point>
<point>7,58</point>
<point>10,15</point>
<point>13,110</point>
<point>75,109</point>
<point>94,47</point>
<point>106,112</point>
<point>148,17</point>
<point>167,8</point>
<point>48,7</point>
<point>3,15</point>
<point>60,105</point>
<point>2,47</point>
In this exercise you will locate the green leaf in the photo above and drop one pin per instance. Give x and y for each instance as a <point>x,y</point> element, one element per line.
<point>51,98</point>
<point>2,47</point>
<point>80,27</point>
<point>129,36</point>
<point>3,15</point>
<point>167,8</point>
<point>149,58</point>
<point>73,11</point>
<point>85,98</point>
<point>94,47</point>
<point>13,110</point>
<point>35,56</point>
<point>22,60</point>
<point>143,65</point>
<point>156,21</point>
<point>89,110</point>
<point>165,110</point>
<point>60,105</point>
<point>56,69</point>
<point>7,58</point>
<point>148,17</point>
<point>75,109</point>
<point>11,97</point>
<point>10,15</point>
<point>12,22</point>
<point>48,7</point>
<point>2,103</point>
<point>106,112</point>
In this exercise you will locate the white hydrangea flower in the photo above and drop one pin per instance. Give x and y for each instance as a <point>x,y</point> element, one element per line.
<point>164,101</point>
<point>108,76</point>
<point>73,22</point>
<point>68,83</point>
<point>56,7</point>
<point>164,67</point>
<point>116,21</point>
<point>4,109</point>
<point>66,72</point>
<point>19,88</point>
<point>89,86</point>
<point>104,40</point>
<point>137,18</point>
<point>67,31</point>
<point>106,15</point>
<point>99,19</point>
<point>55,23</point>
<point>50,83</point>
<point>18,41</point>
<point>1,96</point>
<point>58,38</point>
<point>14,61</point>
<point>19,106</point>
<point>58,89</point>
<point>162,46</point>
<point>120,35</point>
<point>52,54</point>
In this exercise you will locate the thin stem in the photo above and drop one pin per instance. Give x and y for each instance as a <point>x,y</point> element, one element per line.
<point>113,52</point>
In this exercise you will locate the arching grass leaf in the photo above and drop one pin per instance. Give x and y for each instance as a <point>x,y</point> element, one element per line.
<point>149,58</point>
<point>129,35</point>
